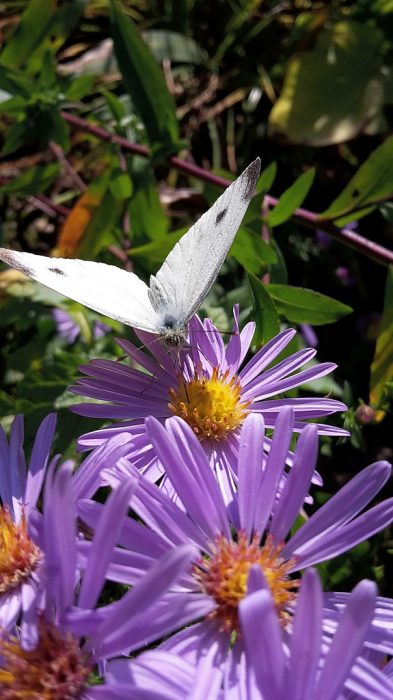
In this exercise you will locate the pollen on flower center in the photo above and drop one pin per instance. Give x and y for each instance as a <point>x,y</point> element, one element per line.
<point>224,577</point>
<point>19,555</point>
<point>54,670</point>
<point>212,406</point>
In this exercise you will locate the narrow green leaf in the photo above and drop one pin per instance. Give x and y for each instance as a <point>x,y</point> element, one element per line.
<point>300,305</point>
<point>265,312</point>
<point>120,184</point>
<point>29,33</point>
<point>382,364</point>
<point>144,81</point>
<point>15,83</point>
<point>34,180</point>
<point>371,183</point>
<point>147,215</point>
<point>156,251</point>
<point>292,198</point>
<point>100,229</point>
<point>251,251</point>
<point>267,178</point>
<point>80,86</point>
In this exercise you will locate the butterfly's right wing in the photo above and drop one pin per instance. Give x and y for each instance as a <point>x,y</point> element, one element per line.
<point>185,277</point>
<point>104,288</point>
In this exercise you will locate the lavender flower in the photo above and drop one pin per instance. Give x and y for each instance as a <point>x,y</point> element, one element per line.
<point>305,664</point>
<point>20,555</point>
<point>206,388</point>
<point>69,329</point>
<point>253,528</point>
<point>67,636</point>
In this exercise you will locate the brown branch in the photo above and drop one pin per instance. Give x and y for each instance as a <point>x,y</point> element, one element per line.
<point>303,216</point>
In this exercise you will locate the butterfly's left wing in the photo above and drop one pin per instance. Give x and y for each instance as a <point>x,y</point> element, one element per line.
<point>184,279</point>
<point>104,288</point>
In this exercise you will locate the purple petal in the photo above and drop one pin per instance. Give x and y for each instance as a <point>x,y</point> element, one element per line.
<point>266,355</point>
<point>39,460</point>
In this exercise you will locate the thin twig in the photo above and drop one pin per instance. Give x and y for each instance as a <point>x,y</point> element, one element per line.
<point>71,172</point>
<point>303,216</point>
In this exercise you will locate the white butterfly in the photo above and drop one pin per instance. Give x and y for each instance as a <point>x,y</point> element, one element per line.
<point>180,285</point>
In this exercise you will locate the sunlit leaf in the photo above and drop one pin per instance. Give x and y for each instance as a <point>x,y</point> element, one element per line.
<point>382,364</point>
<point>251,251</point>
<point>265,312</point>
<point>33,181</point>
<point>300,305</point>
<point>29,33</point>
<point>371,183</point>
<point>147,215</point>
<point>292,198</point>
<point>144,81</point>
<point>80,216</point>
<point>334,89</point>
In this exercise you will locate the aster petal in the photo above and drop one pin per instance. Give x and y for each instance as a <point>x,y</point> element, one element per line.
<point>87,479</point>
<point>59,535</point>
<point>353,626</point>
<point>250,463</point>
<point>17,464</point>
<point>341,540</point>
<point>297,483</point>
<point>263,642</point>
<point>277,382</point>
<point>109,637</point>
<point>343,506</point>
<point>195,485</point>
<point>306,637</point>
<point>10,606</point>
<point>105,538</point>
<point>156,671</point>
<point>39,461</point>
<point>275,464</point>
<point>5,477</point>
<point>266,355</point>
<point>369,682</point>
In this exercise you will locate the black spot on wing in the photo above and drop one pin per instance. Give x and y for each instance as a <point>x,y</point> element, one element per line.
<point>221,215</point>
<point>250,176</point>
<point>8,257</point>
<point>57,271</point>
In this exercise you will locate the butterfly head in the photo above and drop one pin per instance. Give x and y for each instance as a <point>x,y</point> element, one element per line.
<point>173,333</point>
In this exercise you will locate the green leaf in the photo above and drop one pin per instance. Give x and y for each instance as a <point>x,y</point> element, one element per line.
<point>29,33</point>
<point>15,83</point>
<point>265,312</point>
<point>300,305</point>
<point>251,251</point>
<point>382,364</point>
<point>80,86</point>
<point>333,87</point>
<point>266,178</point>
<point>101,227</point>
<point>372,182</point>
<point>120,184</point>
<point>147,215</point>
<point>156,251</point>
<point>34,180</point>
<point>15,138</point>
<point>292,198</point>
<point>144,81</point>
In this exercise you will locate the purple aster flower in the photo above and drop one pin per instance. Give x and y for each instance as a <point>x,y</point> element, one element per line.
<point>303,664</point>
<point>253,528</point>
<point>206,388</point>
<point>69,637</point>
<point>20,487</point>
<point>69,329</point>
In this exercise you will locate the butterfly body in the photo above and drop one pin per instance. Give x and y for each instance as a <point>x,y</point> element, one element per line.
<point>175,293</point>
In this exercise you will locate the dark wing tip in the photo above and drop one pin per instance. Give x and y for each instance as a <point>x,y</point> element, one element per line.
<point>250,176</point>
<point>8,257</point>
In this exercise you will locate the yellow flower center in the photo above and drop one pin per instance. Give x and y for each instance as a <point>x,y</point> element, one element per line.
<point>211,406</point>
<point>54,670</point>
<point>19,555</point>
<point>224,577</point>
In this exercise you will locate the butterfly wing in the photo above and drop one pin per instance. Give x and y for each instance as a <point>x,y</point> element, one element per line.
<point>187,274</point>
<point>104,288</point>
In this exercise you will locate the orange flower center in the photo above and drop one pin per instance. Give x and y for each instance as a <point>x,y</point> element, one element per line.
<point>211,406</point>
<point>224,577</point>
<point>19,555</point>
<point>54,670</point>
